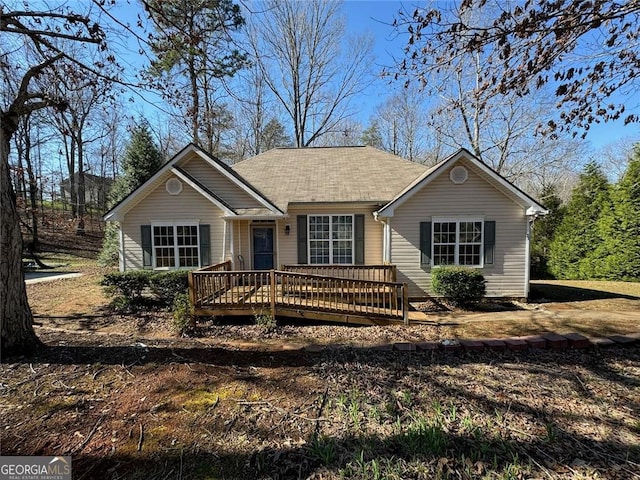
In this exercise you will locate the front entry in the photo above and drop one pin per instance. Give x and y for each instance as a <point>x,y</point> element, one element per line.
<point>263,256</point>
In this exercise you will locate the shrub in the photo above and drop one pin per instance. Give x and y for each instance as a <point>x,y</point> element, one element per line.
<point>108,256</point>
<point>129,285</point>
<point>459,285</point>
<point>181,313</point>
<point>166,286</point>
<point>265,321</point>
<point>121,304</point>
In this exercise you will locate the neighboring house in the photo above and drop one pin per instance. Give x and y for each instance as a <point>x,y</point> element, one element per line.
<point>336,205</point>
<point>96,189</point>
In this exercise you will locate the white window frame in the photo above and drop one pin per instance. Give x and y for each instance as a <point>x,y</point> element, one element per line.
<point>457,221</point>
<point>331,240</point>
<point>176,247</point>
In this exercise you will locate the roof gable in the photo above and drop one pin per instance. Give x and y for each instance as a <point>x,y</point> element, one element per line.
<point>531,206</point>
<point>172,166</point>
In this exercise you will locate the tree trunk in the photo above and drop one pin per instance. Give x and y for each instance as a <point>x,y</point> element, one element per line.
<point>81,192</point>
<point>18,336</point>
<point>33,191</point>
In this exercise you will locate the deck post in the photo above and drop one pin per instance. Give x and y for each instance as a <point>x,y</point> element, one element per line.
<point>272,291</point>
<point>405,303</point>
<point>192,301</point>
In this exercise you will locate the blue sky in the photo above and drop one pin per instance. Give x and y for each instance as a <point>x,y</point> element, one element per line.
<point>375,16</point>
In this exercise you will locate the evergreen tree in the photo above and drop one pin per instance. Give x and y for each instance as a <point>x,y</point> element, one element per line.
<point>142,159</point>
<point>578,235</point>
<point>543,231</point>
<point>273,135</point>
<point>195,48</point>
<point>619,255</point>
<point>372,136</point>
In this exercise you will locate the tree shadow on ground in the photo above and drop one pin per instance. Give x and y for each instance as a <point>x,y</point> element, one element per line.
<point>166,351</point>
<point>565,293</point>
<point>410,454</point>
<point>410,449</point>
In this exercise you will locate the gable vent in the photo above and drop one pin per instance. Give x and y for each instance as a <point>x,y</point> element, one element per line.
<point>173,186</point>
<point>458,175</point>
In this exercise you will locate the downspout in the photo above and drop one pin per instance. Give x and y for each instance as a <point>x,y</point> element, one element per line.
<point>277,240</point>
<point>386,238</point>
<point>121,258</point>
<point>233,248</point>
<point>527,261</point>
<point>224,240</point>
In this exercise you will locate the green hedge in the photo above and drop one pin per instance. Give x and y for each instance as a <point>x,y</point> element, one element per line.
<point>462,286</point>
<point>166,286</point>
<point>130,287</point>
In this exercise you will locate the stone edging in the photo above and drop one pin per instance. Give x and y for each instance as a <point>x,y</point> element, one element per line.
<point>551,341</point>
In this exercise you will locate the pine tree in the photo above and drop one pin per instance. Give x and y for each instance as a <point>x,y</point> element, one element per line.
<point>620,227</point>
<point>142,159</point>
<point>578,235</point>
<point>371,136</point>
<point>273,135</point>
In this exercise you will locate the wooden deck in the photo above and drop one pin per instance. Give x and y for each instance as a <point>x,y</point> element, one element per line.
<point>217,290</point>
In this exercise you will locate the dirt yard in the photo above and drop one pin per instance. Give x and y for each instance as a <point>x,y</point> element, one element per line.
<point>128,399</point>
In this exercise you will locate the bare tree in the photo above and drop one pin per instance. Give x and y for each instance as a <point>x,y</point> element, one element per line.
<point>250,112</point>
<point>402,121</point>
<point>615,156</point>
<point>346,133</point>
<point>85,97</point>
<point>314,73</point>
<point>39,29</point>
<point>498,129</point>
<point>584,51</point>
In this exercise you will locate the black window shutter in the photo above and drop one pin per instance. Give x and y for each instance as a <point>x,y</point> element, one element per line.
<point>145,235</point>
<point>358,230</point>
<point>302,239</point>
<point>489,241</point>
<point>425,243</point>
<point>205,245</point>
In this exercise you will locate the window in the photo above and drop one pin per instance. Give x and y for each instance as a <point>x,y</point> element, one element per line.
<point>457,242</point>
<point>176,246</point>
<point>331,239</point>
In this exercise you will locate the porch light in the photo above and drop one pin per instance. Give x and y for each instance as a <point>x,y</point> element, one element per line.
<point>287,229</point>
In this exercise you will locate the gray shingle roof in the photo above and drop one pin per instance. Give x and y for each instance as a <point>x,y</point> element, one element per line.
<point>328,174</point>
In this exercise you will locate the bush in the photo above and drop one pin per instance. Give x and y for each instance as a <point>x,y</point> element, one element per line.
<point>265,321</point>
<point>129,285</point>
<point>461,286</point>
<point>108,256</point>
<point>181,313</point>
<point>166,286</point>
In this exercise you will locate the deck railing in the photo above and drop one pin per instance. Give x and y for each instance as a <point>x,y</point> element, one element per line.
<point>335,294</point>
<point>230,289</point>
<point>224,292</point>
<point>377,273</point>
<point>218,267</point>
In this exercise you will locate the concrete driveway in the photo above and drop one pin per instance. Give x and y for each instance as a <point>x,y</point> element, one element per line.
<point>47,276</point>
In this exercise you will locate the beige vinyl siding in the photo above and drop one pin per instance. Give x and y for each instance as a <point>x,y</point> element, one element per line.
<point>224,188</point>
<point>474,198</point>
<point>288,244</point>
<point>242,243</point>
<point>159,206</point>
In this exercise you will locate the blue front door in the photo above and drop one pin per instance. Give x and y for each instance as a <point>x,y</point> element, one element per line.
<point>263,248</point>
